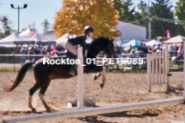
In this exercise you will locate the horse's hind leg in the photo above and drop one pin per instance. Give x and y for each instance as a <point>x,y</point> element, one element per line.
<point>41,95</point>
<point>31,92</point>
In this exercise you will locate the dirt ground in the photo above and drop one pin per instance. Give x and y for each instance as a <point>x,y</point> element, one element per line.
<point>121,88</point>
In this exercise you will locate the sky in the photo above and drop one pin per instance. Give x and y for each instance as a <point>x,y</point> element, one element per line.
<point>36,12</point>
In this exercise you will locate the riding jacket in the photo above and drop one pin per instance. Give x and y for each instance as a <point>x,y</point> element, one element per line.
<point>82,40</point>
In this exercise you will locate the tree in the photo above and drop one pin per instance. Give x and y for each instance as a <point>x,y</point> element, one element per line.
<point>46,25</point>
<point>141,16</point>
<point>124,10</point>
<point>162,9</point>
<point>180,11</point>
<point>6,26</point>
<point>76,14</point>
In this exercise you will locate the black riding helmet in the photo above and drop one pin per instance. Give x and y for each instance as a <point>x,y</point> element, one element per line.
<point>88,29</point>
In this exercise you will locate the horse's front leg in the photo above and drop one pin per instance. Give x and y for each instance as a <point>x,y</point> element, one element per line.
<point>97,75</point>
<point>103,78</point>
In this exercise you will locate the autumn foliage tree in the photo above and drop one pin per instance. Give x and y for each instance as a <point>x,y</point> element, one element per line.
<point>76,14</point>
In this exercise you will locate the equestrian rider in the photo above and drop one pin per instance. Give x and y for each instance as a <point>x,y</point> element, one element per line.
<point>82,40</point>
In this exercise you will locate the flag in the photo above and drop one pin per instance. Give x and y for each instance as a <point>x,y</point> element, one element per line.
<point>32,33</point>
<point>168,33</point>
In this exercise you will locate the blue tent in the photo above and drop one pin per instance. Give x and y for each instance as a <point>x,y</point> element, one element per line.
<point>133,43</point>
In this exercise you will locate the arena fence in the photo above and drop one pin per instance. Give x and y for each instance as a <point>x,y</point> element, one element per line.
<point>158,68</point>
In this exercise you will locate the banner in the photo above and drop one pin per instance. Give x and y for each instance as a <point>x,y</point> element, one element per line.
<point>168,33</point>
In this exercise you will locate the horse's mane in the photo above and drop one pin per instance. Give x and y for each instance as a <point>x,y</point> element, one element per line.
<point>99,41</point>
<point>102,39</point>
<point>97,45</point>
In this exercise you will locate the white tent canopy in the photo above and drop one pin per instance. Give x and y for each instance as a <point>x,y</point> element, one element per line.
<point>26,34</point>
<point>50,35</point>
<point>152,42</point>
<point>177,39</point>
<point>38,38</point>
<point>11,39</point>
<point>63,38</point>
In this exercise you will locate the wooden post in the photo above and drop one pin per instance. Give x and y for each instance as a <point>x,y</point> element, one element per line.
<point>153,69</point>
<point>160,56</point>
<point>184,80</point>
<point>184,71</point>
<point>167,68</point>
<point>164,65</point>
<point>80,93</point>
<point>157,67</point>
<point>149,72</point>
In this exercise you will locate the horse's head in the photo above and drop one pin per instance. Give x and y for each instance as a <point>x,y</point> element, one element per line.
<point>102,44</point>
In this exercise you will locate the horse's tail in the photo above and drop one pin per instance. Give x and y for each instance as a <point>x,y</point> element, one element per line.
<point>19,77</point>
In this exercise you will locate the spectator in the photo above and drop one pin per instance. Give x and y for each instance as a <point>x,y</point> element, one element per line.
<point>44,51</point>
<point>60,51</point>
<point>48,51</point>
<point>117,50</point>
<point>180,51</point>
<point>180,54</point>
<point>153,47</point>
<point>145,49</point>
<point>133,54</point>
<point>175,47</point>
<point>158,48</point>
<point>150,50</point>
<point>169,47</point>
<point>30,52</point>
<point>23,52</point>
<point>36,52</point>
<point>53,49</point>
<point>140,48</point>
<point>129,51</point>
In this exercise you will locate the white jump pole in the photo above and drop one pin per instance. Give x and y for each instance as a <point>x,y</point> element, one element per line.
<point>91,111</point>
<point>80,92</point>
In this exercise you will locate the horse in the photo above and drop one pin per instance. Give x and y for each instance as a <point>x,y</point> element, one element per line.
<point>43,74</point>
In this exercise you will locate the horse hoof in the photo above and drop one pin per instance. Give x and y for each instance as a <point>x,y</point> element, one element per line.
<point>50,109</point>
<point>33,110</point>
<point>101,85</point>
<point>95,78</point>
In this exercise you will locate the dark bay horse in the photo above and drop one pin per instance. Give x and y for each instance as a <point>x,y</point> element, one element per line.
<point>45,73</point>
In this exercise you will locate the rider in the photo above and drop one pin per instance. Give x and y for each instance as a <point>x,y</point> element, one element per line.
<point>83,40</point>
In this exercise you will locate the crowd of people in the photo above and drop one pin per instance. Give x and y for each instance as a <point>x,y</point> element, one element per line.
<point>33,53</point>
<point>142,50</point>
<point>58,50</point>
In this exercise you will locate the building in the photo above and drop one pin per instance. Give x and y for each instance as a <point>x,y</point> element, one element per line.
<point>129,31</point>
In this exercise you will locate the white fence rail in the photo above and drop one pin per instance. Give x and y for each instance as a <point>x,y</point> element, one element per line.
<point>158,68</point>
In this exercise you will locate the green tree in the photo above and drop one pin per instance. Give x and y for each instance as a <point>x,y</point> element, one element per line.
<point>6,26</point>
<point>141,16</point>
<point>124,9</point>
<point>180,13</point>
<point>162,9</point>
<point>46,25</point>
